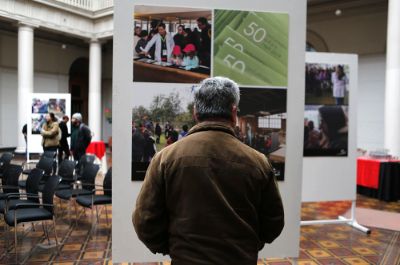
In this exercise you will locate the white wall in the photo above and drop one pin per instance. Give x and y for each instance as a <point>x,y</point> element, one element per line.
<point>371,100</point>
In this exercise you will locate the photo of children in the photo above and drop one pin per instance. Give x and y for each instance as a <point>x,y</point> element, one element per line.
<point>171,44</point>
<point>327,84</point>
<point>326,130</point>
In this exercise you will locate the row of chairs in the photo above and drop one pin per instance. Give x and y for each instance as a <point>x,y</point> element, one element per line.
<point>18,207</point>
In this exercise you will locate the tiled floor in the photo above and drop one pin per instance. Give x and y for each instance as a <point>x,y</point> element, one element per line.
<point>319,244</point>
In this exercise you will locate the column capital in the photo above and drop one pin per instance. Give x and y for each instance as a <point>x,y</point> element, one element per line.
<point>27,24</point>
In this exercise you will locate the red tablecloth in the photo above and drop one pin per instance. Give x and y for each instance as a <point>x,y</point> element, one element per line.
<point>97,148</point>
<point>368,171</point>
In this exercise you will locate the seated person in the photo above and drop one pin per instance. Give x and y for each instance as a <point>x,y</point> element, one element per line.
<point>190,61</point>
<point>176,58</point>
<point>141,44</point>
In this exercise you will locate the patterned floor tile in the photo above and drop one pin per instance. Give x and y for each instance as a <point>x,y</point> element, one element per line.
<point>319,253</point>
<point>356,261</point>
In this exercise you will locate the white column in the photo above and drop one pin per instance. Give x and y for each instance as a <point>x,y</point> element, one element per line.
<point>392,96</point>
<point>25,79</point>
<point>95,106</point>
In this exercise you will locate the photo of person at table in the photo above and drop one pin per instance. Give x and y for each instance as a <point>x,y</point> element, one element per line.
<point>327,84</point>
<point>177,46</point>
<point>326,130</point>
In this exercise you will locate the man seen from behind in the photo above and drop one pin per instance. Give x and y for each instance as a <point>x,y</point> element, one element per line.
<point>209,198</point>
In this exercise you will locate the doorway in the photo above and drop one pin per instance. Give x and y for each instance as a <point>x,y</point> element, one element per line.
<point>79,87</point>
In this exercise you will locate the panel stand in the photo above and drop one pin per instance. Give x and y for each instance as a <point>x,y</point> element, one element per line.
<point>341,220</point>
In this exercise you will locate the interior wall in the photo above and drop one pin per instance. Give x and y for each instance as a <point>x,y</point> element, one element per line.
<point>371,101</point>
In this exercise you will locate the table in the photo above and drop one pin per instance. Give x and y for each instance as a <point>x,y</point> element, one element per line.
<point>98,148</point>
<point>145,72</point>
<point>378,178</point>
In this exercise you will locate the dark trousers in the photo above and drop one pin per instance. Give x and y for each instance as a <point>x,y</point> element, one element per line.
<point>52,148</point>
<point>339,101</point>
<point>63,152</point>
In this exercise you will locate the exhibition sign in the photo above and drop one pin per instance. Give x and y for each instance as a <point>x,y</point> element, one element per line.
<point>330,120</point>
<point>40,105</point>
<point>153,87</point>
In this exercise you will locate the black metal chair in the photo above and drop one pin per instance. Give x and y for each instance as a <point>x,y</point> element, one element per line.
<point>10,177</point>
<point>5,160</point>
<point>66,172</point>
<point>31,195</point>
<point>92,200</point>
<point>46,164</point>
<point>42,211</point>
<point>87,183</point>
<point>85,160</point>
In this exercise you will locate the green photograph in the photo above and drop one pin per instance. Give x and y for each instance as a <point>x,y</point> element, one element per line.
<point>251,47</point>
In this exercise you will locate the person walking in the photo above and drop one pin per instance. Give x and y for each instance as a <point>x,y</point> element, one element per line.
<point>63,149</point>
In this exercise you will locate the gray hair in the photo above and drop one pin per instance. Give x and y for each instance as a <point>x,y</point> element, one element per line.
<point>214,98</point>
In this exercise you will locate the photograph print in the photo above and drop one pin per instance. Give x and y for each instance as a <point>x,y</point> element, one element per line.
<point>171,44</point>
<point>327,84</point>
<point>251,47</point>
<point>262,124</point>
<point>325,130</point>
<point>162,118</point>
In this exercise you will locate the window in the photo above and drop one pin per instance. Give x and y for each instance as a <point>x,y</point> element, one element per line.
<point>272,121</point>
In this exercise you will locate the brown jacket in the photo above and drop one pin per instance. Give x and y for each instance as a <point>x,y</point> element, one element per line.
<point>50,133</point>
<point>209,199</point>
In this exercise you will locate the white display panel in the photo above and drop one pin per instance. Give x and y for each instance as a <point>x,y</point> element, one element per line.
<point>39,105</point>
<point>330,178</point>
<point>126,245</point>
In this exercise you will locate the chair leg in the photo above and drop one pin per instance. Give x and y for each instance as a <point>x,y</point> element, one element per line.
<point>15,239</point>
<point>55,230</point>
<point>33,227</point>
<point>105,206</point>
<point>6,237</point>
<point>76,213</point>
<point>46,233</point>
<point>97,215</point>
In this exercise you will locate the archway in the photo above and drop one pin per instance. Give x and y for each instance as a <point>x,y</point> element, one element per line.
<point>79,87</point>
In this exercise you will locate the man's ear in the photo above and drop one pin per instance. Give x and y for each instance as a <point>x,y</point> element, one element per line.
<point>195,114</point>
<point>234,115</point>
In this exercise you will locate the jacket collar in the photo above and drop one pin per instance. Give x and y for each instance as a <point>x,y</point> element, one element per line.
<point>212,126</point>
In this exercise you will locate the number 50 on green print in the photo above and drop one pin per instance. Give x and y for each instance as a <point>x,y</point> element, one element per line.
<point>251,47</point>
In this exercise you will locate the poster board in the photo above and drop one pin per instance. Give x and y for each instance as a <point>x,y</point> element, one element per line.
<point>125,92</point>
<point>41,104</point>
<point>332,176</point>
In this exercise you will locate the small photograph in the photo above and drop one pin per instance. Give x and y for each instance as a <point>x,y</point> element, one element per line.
<point>159,118</point>
<point>325,130</point>
<point>251,47</point>
<point>327,84</point>
<point>39,105</point>
<point>37,122</point>
<point>57,106</point>
<point>171,44</point>
<point>262,124</point>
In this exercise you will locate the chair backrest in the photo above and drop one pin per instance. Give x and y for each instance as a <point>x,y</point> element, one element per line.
<point>32,183</point>
<point>66,170</point>
<point>48,191</point>
<point>46,163</point>
<point>50,154</point>
<point>84,161</point>
<point>11,176</point>
<point>107,182</point>
<point>89,175</point>
<point>5,160</point>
